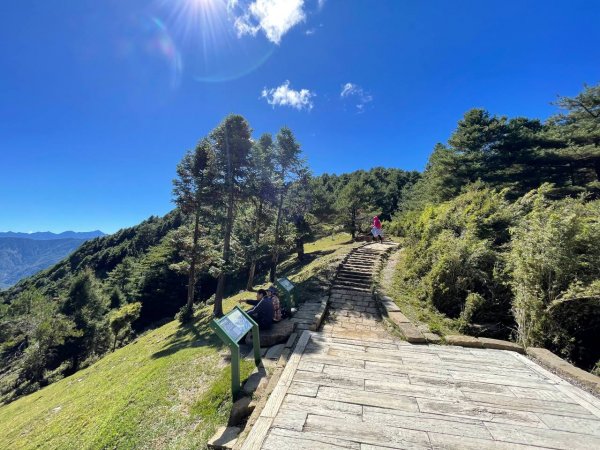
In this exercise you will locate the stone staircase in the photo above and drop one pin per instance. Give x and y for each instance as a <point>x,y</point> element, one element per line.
<point>356,386</point>
<point>352,308</point>
<point>356,271</point>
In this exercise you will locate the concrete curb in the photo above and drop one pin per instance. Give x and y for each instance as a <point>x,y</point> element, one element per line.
<point>556,363</point>
<point>461,340</point>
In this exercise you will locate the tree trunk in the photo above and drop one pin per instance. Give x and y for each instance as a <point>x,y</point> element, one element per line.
<point>219,294</point>
<point>300,249</point>
<point>250,283</point>
<point>251,271</point>
<point>115,343</point>
<point>275,259</point>
<point>192,271</point>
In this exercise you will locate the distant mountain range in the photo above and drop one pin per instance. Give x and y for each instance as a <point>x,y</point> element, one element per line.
<point>47,235</point>
<point>24,254</point>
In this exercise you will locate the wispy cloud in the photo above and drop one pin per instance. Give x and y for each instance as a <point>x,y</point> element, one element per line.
<point>357,94</point>
<point>273,17</point>
<point>285,96</point>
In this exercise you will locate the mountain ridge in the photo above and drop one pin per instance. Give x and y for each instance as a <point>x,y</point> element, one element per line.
<point>21,257</point>
<point>48,235</point>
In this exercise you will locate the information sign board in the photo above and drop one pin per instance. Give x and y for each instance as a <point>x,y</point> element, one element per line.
<point>231,328</point>
<point>235,324</point>
<point>286,284</point>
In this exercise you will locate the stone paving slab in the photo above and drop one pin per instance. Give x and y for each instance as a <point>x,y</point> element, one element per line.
<point>354,386</point>
<point>341,407</point>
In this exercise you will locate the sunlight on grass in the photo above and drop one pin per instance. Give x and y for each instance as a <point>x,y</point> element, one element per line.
<point>167,389</point>
<point>157,392</point>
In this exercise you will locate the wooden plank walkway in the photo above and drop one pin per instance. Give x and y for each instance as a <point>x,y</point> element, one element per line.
<point>353,386</point>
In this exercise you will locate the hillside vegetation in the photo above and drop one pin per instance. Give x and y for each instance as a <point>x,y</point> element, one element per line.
<point>111,288</point>
<point>502,232</point>
<point>167,389</point>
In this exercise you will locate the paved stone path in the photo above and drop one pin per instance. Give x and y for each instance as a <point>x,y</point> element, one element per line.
<point>354,386</point>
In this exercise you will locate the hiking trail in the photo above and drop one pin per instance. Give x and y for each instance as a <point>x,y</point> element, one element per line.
<point>356,386</point>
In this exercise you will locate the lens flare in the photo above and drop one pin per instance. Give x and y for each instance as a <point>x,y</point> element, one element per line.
<point>150,52</point>
<point>207,37</point>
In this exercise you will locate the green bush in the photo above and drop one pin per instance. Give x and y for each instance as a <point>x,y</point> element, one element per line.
<point>555,248</point>
<point>454,250</point>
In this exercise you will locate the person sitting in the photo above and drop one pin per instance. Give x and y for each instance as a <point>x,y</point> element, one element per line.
<point>272,294</point>
<point>262,312</point>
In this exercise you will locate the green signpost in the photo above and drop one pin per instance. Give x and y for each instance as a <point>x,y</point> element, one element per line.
<point>231,328</point>
<point>288,287</point>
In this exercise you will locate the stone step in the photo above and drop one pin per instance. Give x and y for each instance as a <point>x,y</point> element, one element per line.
<point>359,270</point>
<point>355,287</point>
<point>360,273</point>
<point>349,266</point>
<point>361,276</point>
<point>352,279</point>
<point>350,283</point>
<point>358,264</point>
<point>362,257</point>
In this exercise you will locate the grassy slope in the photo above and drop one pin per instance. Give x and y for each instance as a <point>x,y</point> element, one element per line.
<point>168,389</point>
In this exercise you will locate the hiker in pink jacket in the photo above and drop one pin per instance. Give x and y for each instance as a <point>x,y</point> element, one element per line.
<point>376,229</point>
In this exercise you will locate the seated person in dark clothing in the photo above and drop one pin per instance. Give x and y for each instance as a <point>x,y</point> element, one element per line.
<point>263,311</point>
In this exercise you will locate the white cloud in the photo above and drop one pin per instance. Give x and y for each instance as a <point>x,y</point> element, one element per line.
<point>348,89</point>
<point>273,17</point>
<point>357,94</point>
<point>310,31</point>
<point>321,4</point>
<point>284,96</point>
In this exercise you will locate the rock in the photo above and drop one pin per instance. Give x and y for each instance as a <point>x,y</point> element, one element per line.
<point>432,338</point>
<point>463,341</point>
<point>275,351</point>
<point>279,333</point>
<point>255,381</point>
<point>411,333</point>
<point>224,438</point>
<point>240,410</point>
<point>397,317</point>
<point>501,345</point>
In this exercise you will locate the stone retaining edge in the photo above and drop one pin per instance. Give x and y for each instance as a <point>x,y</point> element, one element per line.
<point>557,364</point>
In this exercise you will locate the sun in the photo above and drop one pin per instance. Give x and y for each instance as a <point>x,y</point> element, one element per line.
<point>205,33</point>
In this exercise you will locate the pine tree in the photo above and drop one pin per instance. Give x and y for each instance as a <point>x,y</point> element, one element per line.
<point>194,192</point>
<point>288,165</point>
<point>86,308</point>
<point>231,142</point>
<point>262,194</point>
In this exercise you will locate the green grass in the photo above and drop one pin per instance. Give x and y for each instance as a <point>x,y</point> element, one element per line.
<point>157,392</point>
<point>169,389</point>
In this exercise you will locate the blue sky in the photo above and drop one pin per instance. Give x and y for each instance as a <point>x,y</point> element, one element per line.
<point>100,99</point>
